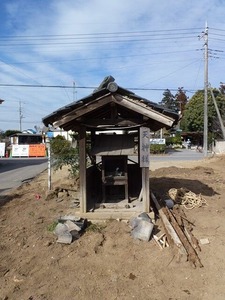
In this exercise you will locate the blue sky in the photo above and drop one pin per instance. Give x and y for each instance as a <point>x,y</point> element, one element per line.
<point>147,45</point>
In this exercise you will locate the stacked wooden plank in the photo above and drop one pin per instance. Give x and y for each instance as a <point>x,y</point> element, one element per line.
<point>179,232</point>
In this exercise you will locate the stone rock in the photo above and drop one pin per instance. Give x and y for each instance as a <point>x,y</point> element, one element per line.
<point>72,226</point>
<point>65,238</point>
<point>134,221</point>
<point>61,229</point>
<point>144,216</point>
<point>63,234</point>
<point>141,227</point>
<point>75,234</point>
<point>69,217</point>
<point>143,230</point>
<point>204,241</point>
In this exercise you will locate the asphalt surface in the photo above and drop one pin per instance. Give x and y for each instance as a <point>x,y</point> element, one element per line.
<point>15,171</point>
<point>179,155</point>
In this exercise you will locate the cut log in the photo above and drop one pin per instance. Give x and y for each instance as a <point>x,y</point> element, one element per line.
<point>192,239</point>
<point>186,226</point>
<point>192,254</point>
<point>170,232</point>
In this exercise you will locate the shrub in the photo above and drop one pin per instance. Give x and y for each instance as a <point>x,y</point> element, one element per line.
<point>174,140</point>
<point>64,154</point>
<point>51,227</point>
<point>157,149</point>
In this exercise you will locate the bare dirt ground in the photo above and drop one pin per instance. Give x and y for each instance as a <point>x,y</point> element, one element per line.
<point>105,262</point>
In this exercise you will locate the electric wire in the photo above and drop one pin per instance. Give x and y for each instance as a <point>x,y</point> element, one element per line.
<point>81,87</point>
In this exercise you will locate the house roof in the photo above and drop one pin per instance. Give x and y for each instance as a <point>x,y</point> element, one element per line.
<point>25,134</point>
<point>111,106</point>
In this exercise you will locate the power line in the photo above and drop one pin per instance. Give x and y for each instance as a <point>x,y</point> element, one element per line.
<point>49,43</point>
<point>99,38</point>
<point>170,35</point>
<point>103,58</point>
<point>16,121</point>
<point>218,29</point>
<point>156,32</point>
<point>45,86</point>
<point>82,87</point>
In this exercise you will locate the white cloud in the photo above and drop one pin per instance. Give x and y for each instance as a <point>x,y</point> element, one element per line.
<point>157,57</point>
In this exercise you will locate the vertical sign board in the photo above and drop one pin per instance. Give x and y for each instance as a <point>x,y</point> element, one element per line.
<point>2,149</point>
<point>144,151</point>
<point>144,158</point>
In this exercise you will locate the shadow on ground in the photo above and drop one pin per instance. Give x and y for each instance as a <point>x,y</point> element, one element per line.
<point>161,186</point>
<point>7,198</point>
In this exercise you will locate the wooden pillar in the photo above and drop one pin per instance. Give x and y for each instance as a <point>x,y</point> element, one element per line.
<point>83,180</point>
<point>144,157</point>
<point>145,189</point>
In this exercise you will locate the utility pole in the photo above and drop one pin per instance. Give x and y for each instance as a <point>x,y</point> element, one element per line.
<point>205,134</point>
<point>74,91</point>
<point>20,115</point>
<point>218,113</point>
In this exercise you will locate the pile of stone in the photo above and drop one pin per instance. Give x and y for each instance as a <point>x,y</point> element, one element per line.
<point>141,227</point>
<point>69,228</point>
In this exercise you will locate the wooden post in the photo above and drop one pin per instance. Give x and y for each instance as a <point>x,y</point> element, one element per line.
<point>48,145</point>
<point>83,181</point>
<point>170,231</point>
<point>144,152</point>
<point>145,187</point>
<point>49,167</point>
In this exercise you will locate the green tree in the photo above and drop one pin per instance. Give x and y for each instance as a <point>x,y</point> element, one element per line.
<point>176,103</point>
<point>10,132</point>
<point>168,100</point>
<point>193,118</point>
<point>64,154</point>
<point>222,89</point>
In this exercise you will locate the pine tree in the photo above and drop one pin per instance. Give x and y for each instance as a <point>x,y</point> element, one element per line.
<point>168,100</point>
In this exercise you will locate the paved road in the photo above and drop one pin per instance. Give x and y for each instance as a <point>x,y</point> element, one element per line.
<point>174,155</point>
<point>14,171</point>
<point>181,155</point>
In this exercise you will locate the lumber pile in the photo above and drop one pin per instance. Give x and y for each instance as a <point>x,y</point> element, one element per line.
<point>179,233</point>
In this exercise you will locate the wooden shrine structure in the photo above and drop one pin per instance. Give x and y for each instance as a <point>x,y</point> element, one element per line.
<point>113,126</point>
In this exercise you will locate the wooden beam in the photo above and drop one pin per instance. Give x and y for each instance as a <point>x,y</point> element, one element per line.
<point>143,109</point>
<point>70,125</point>
<point>81,111</point>
<point>82,175</point>
<point>113,110</point>
<point>171,233</point>
<point>113,122</point>
<point>191,252</point>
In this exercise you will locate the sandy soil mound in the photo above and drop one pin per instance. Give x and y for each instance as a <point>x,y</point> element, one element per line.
<point>105,262</point>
